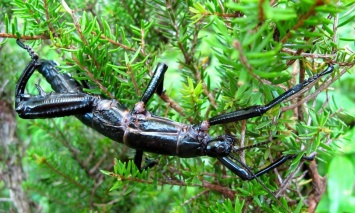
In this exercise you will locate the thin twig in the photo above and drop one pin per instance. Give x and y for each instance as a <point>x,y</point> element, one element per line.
<point>116,43</point>
<point>242,140</point>
<point>226,191</point>
<point>133,79</point>
<point>50,26</point>
<point>286,182</point>
<point>67,177</point>
<point>243,59</point>
<point>301,20</point>
<point>194,197</point>
<point>175,106</point>
<point>308,55</point>
<point>24,37</point>
<point>91,76</point>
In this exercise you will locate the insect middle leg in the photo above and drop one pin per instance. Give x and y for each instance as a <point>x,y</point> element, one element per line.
<point>155,86</point>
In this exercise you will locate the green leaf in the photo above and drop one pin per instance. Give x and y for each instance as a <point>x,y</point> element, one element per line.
<point>115,186</point>
<point>278,14</point>
<point>105,172</point>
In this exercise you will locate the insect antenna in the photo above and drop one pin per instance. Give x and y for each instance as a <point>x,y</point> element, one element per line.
<point>239,149</point>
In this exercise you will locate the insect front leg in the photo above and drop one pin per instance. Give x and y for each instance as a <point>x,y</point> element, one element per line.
<point>221,149</point>
<point>69,102</point>
<point>50,105</point>
<point>245,174</point>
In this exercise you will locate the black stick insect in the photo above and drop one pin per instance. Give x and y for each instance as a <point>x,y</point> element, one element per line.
<point>138,128</point>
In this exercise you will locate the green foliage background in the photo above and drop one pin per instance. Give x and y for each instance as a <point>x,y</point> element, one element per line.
<point>222,56</point>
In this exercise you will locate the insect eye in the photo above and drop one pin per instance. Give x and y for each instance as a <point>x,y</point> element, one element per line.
<point>219,148</point>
